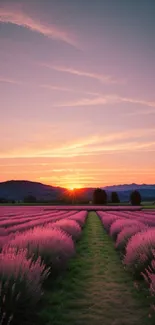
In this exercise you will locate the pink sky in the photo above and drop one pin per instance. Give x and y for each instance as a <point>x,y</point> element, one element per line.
<point>77,92</point>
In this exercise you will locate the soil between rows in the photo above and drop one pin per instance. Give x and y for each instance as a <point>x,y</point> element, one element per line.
<point>95,289</point>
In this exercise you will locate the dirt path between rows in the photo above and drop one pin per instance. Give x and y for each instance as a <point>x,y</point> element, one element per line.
<point>99,291</point>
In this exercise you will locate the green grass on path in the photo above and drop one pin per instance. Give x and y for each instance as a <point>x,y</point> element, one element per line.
<point>148,207</point>
<point>96,289</point>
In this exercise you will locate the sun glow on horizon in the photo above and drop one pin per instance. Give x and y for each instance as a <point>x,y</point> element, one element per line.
<point>75,187</point>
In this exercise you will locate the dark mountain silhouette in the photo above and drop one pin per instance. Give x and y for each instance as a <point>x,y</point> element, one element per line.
<point>17,190</point>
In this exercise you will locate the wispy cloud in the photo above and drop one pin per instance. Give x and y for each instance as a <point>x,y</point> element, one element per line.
<point>112,99</point>
<point>80,73</point>
<point>140,112</point>
<point>100,171</point>
<point>58,88</point>
<point>106,99</point>
<point>138,101</point>
<point>138,140</point>
<point>10,81</point>
<point>9,14</point>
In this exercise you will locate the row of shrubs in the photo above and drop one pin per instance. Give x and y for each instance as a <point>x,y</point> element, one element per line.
<point>28,259</point>
<point>135,240</point>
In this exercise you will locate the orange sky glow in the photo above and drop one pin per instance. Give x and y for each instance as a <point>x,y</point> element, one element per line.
<point>77,92</point>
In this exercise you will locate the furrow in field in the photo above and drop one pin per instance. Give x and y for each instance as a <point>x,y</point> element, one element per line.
<point>95,290</point>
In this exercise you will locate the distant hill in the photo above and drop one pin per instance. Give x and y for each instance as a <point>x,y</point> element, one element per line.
<point>147,191</point>
<point>17,190</point>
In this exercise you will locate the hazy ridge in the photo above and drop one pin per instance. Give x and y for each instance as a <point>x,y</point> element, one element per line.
<point>17,190</point>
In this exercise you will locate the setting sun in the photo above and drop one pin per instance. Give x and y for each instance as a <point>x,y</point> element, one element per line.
<point>72,188</point>
<point>78,121</point>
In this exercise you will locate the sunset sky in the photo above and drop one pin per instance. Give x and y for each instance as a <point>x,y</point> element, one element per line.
<point>77,91</point>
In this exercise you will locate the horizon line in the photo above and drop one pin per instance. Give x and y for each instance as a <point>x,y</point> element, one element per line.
<point>82,187</point>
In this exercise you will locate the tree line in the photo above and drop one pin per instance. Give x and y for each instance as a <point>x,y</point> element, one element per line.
<point>100,197</point>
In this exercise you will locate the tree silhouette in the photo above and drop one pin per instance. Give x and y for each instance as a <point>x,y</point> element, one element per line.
<point>99,196</point>
<point>115,197</point>
<point>135,198</point>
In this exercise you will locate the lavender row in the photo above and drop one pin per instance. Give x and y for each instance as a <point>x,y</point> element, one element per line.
<point>24,214</point>
<point>7,234</point>
<point>135,240</point>
<point>15,221</point>
<point>41,220</point>
<point>29,258</point>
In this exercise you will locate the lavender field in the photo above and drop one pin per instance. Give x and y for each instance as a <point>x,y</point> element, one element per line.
<point>78,264</point>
